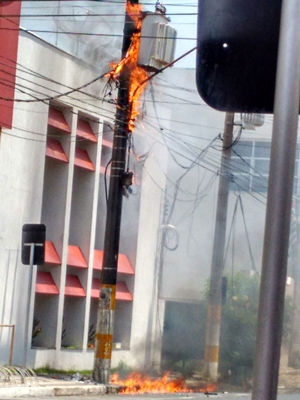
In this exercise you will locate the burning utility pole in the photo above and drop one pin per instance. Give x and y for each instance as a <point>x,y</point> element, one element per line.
<point>119,178</point>
<point>131,76</point>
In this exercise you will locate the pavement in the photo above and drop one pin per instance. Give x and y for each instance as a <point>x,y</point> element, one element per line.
<point>44,386</point>
<point>39,386</point>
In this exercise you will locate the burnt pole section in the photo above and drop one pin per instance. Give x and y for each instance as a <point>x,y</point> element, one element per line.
<point>107,299</point>
<point>212,337</point>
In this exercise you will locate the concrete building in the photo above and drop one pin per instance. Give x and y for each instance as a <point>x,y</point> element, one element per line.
<point>54,169</point>
<point>54,156</point>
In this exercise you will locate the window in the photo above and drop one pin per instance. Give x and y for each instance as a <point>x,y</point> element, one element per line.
<point>250,162</point>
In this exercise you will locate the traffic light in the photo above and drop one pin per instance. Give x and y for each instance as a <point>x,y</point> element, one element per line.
<point>237,46</point>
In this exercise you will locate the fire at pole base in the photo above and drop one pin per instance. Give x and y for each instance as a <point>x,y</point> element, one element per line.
<point>137,383</point>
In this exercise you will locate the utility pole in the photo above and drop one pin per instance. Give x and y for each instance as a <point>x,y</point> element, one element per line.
<point>212,337</point>
<point>279,201</point>
<point>107,300</point>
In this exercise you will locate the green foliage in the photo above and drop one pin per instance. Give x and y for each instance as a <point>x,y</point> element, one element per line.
<point>51,371</point>
<point>289,309</point>
<point>91,334</point>
<point>295,360</point>
<point>91,337</point>
<point>36,329</point>
<point>182,345</point>
<point>123,370</point>
<point>238,328</point>
<point>183,338</point>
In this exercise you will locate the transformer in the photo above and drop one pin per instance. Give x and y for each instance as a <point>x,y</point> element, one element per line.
<point>158,41</point>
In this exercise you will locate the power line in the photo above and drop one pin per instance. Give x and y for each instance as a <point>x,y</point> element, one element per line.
<point>66,15</point>
<point>63,95</point>
<point>57,32</point>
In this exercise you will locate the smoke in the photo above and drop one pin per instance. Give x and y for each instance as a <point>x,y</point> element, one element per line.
<point>88,30</point>
<point>183,338</point>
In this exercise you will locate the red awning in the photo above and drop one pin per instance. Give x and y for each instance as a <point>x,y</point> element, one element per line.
<point>83,160</point>
<point>51,256</point>
<point>122,292</point>
<point>73,286</point>
<point>95,288</point>
<point>55,150</point>
<point>84,131</point>
<point>75,257</point>
<point>45,283</point>
<point>57,120</point>
<point>124,266</point>
<point>102,170</point>
<point>107,143</point>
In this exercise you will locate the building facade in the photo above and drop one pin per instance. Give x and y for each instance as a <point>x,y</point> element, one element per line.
<point>55,149</point>
<point>55,171</point>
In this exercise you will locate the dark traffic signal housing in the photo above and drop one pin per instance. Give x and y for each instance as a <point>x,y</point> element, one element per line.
<point>237,46</point>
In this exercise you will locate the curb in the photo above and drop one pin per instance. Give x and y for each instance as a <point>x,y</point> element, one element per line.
<point>55,390</point>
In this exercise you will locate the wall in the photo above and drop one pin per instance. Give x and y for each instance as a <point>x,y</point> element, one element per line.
<point>22,176</point>
<point>90,31</point>
<point>71,203</point>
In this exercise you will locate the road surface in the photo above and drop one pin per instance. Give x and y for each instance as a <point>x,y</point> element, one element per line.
<point>178,396</point>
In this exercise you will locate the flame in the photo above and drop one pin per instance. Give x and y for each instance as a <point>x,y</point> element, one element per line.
<point>137,74</point>
<point>139,383</point>
<point>134,10</point>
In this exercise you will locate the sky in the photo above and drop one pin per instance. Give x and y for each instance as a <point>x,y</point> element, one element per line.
<point>182,14</point>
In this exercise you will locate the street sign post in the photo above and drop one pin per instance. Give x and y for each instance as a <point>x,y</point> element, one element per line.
<point>33,253</point>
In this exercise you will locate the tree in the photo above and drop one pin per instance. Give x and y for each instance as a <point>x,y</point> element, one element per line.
<point>238,327</point>
<point>182,346</point>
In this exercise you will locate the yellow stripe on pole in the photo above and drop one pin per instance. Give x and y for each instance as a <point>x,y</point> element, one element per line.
<point>104,348</point>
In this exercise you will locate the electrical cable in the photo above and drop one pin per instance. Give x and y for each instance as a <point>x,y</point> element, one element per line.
<point>105,181</point>
<point>51,98</point>
<point>230,231</point>
<point>93,15</point>
<point>247,235</point>
<point>194,162</point>
<point>170,151</point>
<point>89,34</point>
